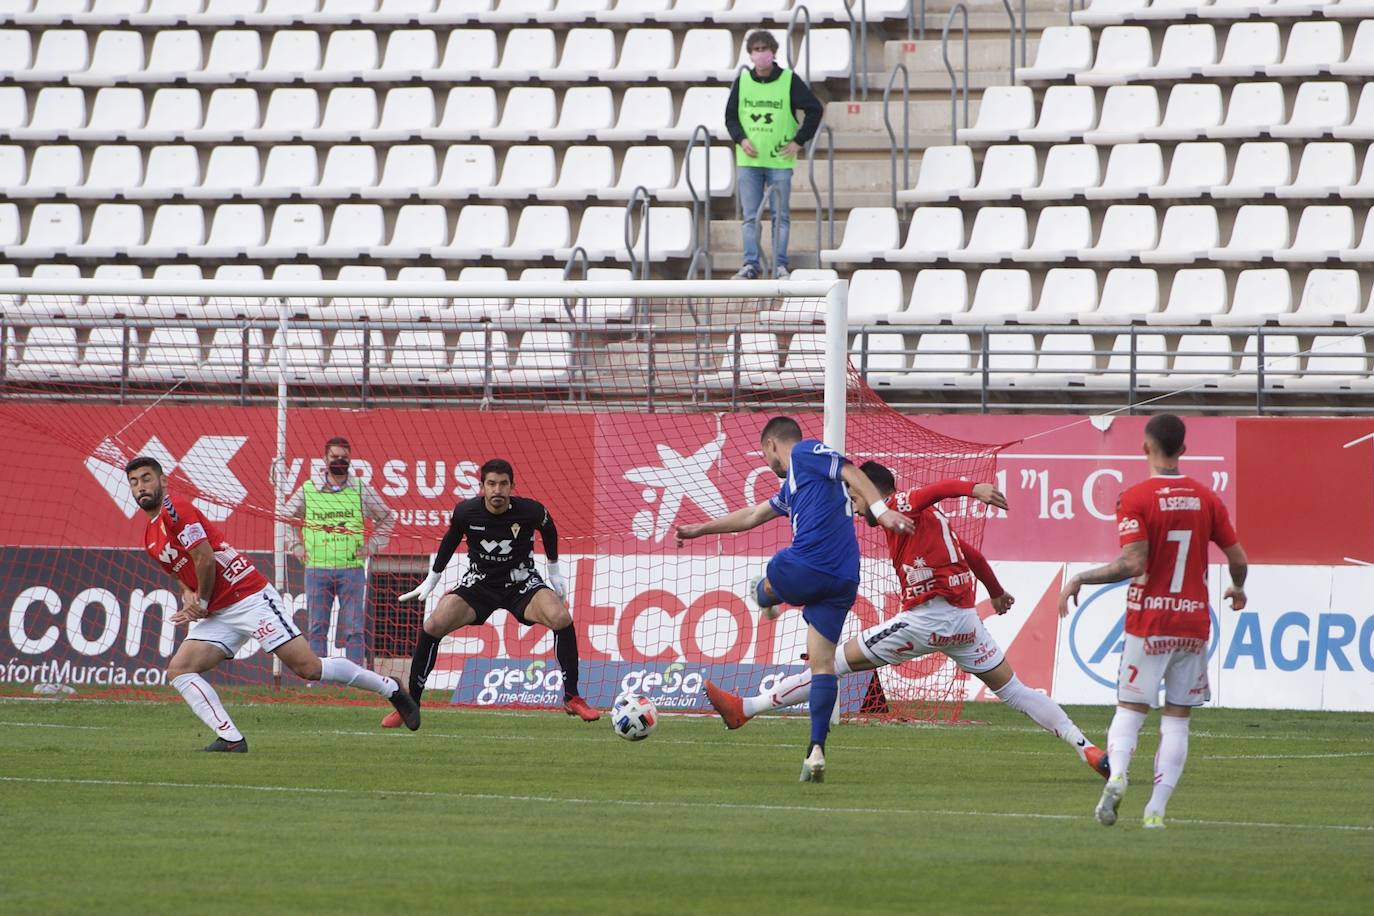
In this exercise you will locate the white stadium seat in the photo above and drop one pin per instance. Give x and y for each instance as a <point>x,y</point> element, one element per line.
<point>1328,296</point>
<point>1261,168</point>
<point>1187,231</point>
<point>1063,51</point>
<point>1313,47</point>
<point>1132,169</point>
<point>1003,111</point>
<point>410,171</point>
<point>1067,294</point>
<point>868,233</point>
<point>1127,230</point>
<point>1258,231</point>
<point>1195,170</point>
<point>1066,113</point>
<point>1070,170</point>
<point>1251,109</point>
<point>525,170</point>
<point>541,231</point>
<point>113,227</point>
<point>1192,110</point>
<point>1128,114</point>
<point>1006,170</point>
<point>1123,52</point>
<point>176,228</point>
<point>934,233</point>
<point>1060,234</point>
<point>997,234</point>
<point>1323,170</point>
<point>1197,295</point>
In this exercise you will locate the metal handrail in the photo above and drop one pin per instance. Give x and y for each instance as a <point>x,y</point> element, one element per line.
<point>906,128</point>
<point>1011,36</point>
<point>830,189</point>
<point>578,254</point>
<point>858,37</point>
<point>806,39</point>
<point>911,22</point>
<point>701,210</point>
<point>770,195</point>
<point>640,193</point>
<point>949,68</point>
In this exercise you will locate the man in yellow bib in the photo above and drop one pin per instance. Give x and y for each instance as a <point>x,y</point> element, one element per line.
<point>333,545</point>
<point>761,118</point>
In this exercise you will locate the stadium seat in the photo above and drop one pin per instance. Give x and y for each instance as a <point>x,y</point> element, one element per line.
<point>1280,362</point>
<point>173,354</point>
<point>175,114</point>
<point>1151,362</point>
<point>52,169</point>
<point>1257,232</point>
<point>352,54</point>
<point>1360,60</point>
<point>479,358</point>
<point>466,53</point>
<point>410,53</point>
<point>645,53</point>
<point>290,170</point>
<point>1318,108</point>
<point>997,234</point>
<point>1200,361</point>
<point>1261,169</point>
<point>945,171</point>
<point>52,229</point>
<point>937,294</point>
<point>49,355</point>
<point>294,229</point>
<point>59,52</point>
<point>1070,170</point>
<point>1251,109</point>
<point>797,310</point>
<point>231,352</point>
<point>468,113</point>
<point>644,111</point>
<point>348,171</point>
<point>1123,52</point>
<point>577,10</point>
<point>1067,294</point>
<point>587,52</point>
<point>479,229</point>
<point>751,360</point>
<point>541,231</point>
<point>406,112</point>
<point>1313,47</point>
<point>868,232</point>
<point>1108,12</point>
<point>585,170</point>
<point>1250,48</point>
<point>1322,233</point>
<point>13,166</point>
<point>1128,113</point>
<point>1363,253</point>
<point>171,170</point>
<point>649,167</point>
<point>117,53</point>
<point>1060,233</point>
<point>1063,52</point>
<point>803,365</point>
<point>1361,126</point>
<point>1132,169</point>
<point>670,234</point>
<point>410,171</point>
<point>875,296</point>
<point>1197,295</point>
<point>1192,110</point>
<point>228,171</point>
<point>114,112</point>
<point>467,169</point>
<point>56,110</point>
<point>525,170</point>
<point>526,54</point>
<point>354,230</point>
<point>934,232</point>
<point>348,114</point>
<point>1333,363</point>
<point>942,360</point>
<point>700,107</point>
<point>585,112</point>
<point>1006,170</point>
<point>234,229</point>
<point>1003,111</point>
<point>1323,170</point>
<point>1001,295</point>
<point>291,114</point>
<point>419,357</point>
<point>543,359</point>
<point>175,230</point>
<point>1187,231</point>
<point>1066,112</point>
<point>234,54</point>
<point>1183,53</point>
<point>1328,296</point>
<point>528,110</point>
<point>636,12</point>
<point>1010,359</point>
<point>113,227</point>
<point>1063,361</point>
<point>722,175</point>
<point>882,359</point>
<point>1195,170</point>
<point>1128,294</point>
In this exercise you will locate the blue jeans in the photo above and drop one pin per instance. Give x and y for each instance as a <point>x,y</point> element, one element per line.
<point>753,182</point>
<point>322,586</point>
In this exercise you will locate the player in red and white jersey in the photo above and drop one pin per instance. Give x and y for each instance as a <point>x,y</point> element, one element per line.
<point>938,574</point>
<point>1165,524</point>
<point>227,601</point>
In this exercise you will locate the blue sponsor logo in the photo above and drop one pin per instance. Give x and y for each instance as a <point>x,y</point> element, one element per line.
<point>1097,640</point>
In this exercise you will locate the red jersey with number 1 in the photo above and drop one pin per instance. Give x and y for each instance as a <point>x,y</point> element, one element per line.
<point>930,561</point>
<point>1177,516</point>
<point>172,533</point>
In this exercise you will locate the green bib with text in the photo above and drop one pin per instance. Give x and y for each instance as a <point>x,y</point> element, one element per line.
<point>333,527</point>
<point>765,113</point>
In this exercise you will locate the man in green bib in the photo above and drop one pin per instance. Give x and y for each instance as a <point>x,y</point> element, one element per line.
<point>333,544</point>
<point>761,118</point>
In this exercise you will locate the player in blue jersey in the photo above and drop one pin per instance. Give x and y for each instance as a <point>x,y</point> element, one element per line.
<point>819,572</point>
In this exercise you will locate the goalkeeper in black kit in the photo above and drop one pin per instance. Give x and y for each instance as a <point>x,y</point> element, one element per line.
<point>500,530</point>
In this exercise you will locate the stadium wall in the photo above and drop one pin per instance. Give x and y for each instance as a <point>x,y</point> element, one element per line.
<point>1301,491</point>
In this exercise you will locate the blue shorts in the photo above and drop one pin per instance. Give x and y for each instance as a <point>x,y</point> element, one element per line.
<point>825,600</point>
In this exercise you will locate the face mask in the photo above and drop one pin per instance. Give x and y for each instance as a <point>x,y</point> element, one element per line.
<point>338,467</point>
<point>762,59</point>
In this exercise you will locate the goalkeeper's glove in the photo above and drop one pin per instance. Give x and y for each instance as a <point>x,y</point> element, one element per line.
<point>422,592</point>
<point>554,576</point>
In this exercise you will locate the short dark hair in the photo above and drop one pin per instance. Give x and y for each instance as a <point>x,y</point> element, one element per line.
<point>143,461</point>
<point>1167,431</point>
<point>340,441</point>
<point>761,37</point>
<point>784,429</point>
<point>497,466</point>
<point>882,478</point>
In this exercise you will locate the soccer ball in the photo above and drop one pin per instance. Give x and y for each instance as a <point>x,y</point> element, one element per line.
<point>634,717</point>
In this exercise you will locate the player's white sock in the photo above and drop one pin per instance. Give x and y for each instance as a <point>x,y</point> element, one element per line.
<point>790,690</point>
<point>1121,740</point>
<point>1045,712</point>
<point>343,671</point>
<point>1169,760</point>
<point>204,702</point>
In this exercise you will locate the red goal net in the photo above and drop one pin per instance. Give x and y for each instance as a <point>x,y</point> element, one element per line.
<point>625,417</point>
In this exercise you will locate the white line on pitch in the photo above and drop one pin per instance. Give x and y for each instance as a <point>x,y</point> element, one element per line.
<point>1284,756</point>
<point>641,803</point>
<point>87,728</point>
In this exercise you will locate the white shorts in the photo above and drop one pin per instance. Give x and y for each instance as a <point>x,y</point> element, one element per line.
<point>262,616</point>
<point>935,626</point>
<point>1179,662</point>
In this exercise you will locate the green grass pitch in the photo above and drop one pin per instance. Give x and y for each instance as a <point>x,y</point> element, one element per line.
<point>107,808</point>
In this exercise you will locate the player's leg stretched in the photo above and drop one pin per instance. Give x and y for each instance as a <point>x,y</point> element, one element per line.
<point>297,655</point>
<point>548,609</point>
<point>451,613</point>
<point>191,660</point>
<point>789,691</point>
<point>1044,712</point>
<point>1169,761</point>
